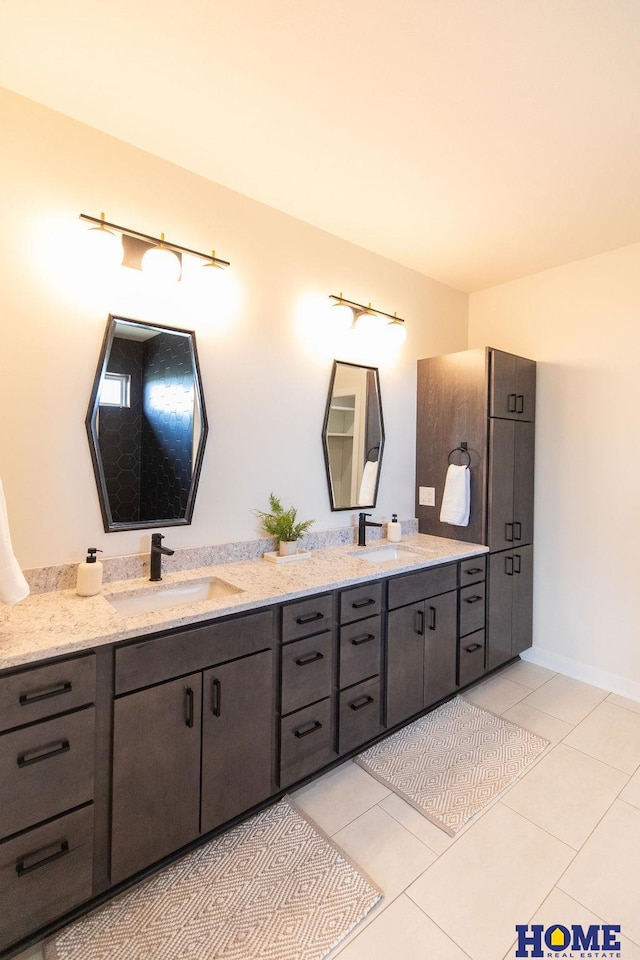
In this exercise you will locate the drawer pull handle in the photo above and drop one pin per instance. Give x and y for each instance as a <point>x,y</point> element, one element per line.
<point>511,403</point>
<point>517,567</point>
<point>508,566</point>
<point>473,571</point>
<point>55,691</point>
<point>34,756</point>
<point>363,603</point>
<point>520,405</point>
<point>309,658</point>
<point>362,702</point>
<point>473,599</point>
<point>216,698</point>
<point>508,532</point>
<point>517,530</point>
<point>307,729</point>
<point>473,647</point>
<point>363,639</point>
<point>432,618</point>
<point>309,618</point>
<point>23,866</point>
<point>419,625</point>
<point>188,699</point>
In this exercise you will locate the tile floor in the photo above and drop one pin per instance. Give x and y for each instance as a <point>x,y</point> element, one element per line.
<point>561,845</point>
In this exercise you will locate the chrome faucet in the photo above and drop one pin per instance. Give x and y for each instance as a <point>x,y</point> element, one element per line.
<point>156,555</point>
<point>363,523</point>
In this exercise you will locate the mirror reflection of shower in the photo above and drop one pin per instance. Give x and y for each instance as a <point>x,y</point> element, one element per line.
<point>353,436</point>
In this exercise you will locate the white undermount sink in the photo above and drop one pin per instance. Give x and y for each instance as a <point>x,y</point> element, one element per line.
<point>150,599</point>
<point>380,554</point>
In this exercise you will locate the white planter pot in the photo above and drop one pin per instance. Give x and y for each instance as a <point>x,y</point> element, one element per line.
<point>288,548</point>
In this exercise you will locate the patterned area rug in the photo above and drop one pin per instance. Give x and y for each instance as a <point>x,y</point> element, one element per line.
<point>272,888</point>
<point>453,762</point>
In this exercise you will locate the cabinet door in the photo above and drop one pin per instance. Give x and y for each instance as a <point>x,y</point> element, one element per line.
<point>440,647</point>
<point>524,444</point>
<point>237,735</point>
<point>405,662</point>
<point>522,615</point>
<point>512,388</point>
<point>525,389</point>
<point>156,773</point>
<point>499,629</point>
<point>501,483</point>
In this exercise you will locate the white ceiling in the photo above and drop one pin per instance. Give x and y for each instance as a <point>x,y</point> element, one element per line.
<point>473,140</point>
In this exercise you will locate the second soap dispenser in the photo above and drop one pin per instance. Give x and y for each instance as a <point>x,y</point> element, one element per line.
<point>394,529</point>
<point>89,581</point>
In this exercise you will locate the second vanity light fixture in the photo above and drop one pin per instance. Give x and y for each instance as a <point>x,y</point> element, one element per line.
<point>356,316</point>
<point>154,255</point>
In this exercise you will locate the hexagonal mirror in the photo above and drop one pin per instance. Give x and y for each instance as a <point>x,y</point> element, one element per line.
<point>147,425</point>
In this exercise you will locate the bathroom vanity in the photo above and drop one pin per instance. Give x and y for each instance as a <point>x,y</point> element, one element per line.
<point>141,736</point>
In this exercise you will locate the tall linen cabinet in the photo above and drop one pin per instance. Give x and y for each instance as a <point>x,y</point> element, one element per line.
<point>479,406</point>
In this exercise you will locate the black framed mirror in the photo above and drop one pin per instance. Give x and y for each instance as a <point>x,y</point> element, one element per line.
<point>353,436</point>
<point>147,425</point>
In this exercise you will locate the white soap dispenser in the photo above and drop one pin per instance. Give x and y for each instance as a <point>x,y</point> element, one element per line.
<point>89,581</point>
<point>394,529</point>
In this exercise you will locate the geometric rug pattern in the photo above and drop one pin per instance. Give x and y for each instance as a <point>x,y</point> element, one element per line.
<point>272,888</point>
<point>452,762</point>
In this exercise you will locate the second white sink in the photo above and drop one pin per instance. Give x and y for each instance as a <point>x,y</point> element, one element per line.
<point>380,554</point>
<point>150,599</point>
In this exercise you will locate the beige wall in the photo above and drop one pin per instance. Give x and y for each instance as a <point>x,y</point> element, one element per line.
<point>265,358</point>
<point>581,322</point>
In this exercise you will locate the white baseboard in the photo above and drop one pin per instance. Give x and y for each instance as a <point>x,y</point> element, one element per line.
<point>582,671</point>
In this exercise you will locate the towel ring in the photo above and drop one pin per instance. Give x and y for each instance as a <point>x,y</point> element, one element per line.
<point>463,449</point>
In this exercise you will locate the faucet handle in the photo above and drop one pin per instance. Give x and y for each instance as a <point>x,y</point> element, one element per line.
<point>363,516</point>
<point>156,539</point>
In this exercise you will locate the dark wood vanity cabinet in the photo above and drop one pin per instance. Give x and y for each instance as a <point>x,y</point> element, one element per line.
<point>191,752</point>
<point>484,398</point>
<point>47,727</point>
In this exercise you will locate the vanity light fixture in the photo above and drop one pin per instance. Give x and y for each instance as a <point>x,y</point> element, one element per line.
<point>151,254</point>
<point>107,246</point>
<point>367,319</point>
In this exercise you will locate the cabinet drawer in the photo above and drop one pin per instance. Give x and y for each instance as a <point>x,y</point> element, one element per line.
<point>163,657</point>
<point>418,586</point>
<point>306,671</point>
<point>472,608</point>
<point>471,658</point>
<point>46,769</point>
<point>301,619</point>
<point>360,602</point>
<point>360,714</point>
<point>360,651</point>
<point>44,873</point>
<point>44,691</point>
<point>472,570</point>
<point>305,742</point>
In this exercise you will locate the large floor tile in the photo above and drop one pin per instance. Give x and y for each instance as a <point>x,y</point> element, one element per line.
<point>559,907</point>
<point>631,793</point>
<point>402,931</point>
<point>340,796</point>
<point>489,879</point>
<point>435,838</point>
<point>604,874</point>
<point>610,733</point>
<point>496,694</point>
<point>534,720</point>
<point>565,698</point>
<point>390,855</point>
<point>566,793</point>
<point>619,701</point>
<point>528,674</point>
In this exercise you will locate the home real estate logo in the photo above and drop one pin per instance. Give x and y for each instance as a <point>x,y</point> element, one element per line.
<point>596,940</point>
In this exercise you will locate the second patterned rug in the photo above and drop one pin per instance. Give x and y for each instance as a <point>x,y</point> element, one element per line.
<point>452,762</point>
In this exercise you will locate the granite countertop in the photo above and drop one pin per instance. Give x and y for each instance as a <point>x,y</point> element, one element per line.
<point>60,622</point>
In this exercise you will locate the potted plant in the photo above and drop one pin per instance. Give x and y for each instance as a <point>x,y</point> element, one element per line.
<point>282,524</point>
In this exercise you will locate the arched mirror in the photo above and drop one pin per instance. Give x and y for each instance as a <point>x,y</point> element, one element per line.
<point>147,425</point>
<point>353,436</point>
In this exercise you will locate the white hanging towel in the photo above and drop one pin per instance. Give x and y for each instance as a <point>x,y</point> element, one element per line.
<point>13,586</point>
<point>456,499</point>
<point>368,484</point>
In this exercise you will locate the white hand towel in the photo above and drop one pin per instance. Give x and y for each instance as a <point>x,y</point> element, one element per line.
<point>456,499</point>
<point>13,586</point>
<point>368,484</point>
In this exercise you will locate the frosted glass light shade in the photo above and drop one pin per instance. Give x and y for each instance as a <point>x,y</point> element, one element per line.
<point>105,247</point>
<point>396,333</point>
<point>341,316</point>
<point>161,264</point>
